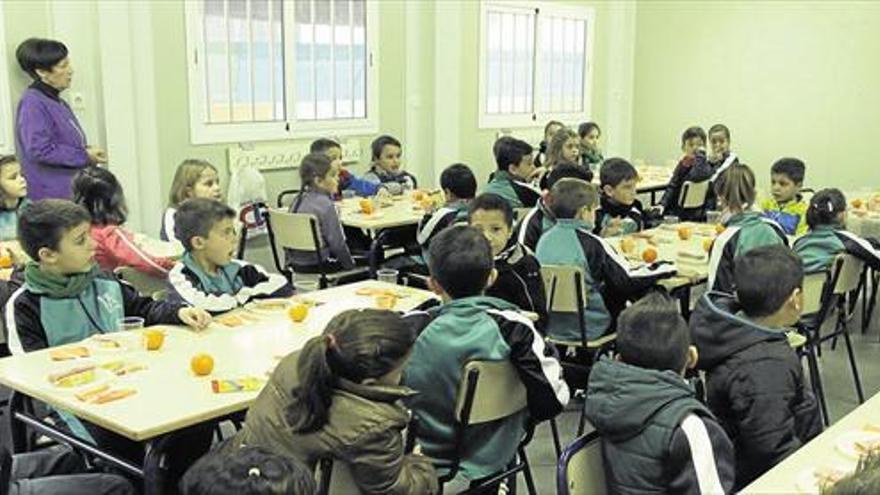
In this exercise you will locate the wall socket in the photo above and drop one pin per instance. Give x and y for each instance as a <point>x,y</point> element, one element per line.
<point>275,157</point>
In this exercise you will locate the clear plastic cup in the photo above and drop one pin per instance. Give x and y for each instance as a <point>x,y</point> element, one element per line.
<point>305,286</point>
<point>713,217</point>
<point>129,323</point>
<point>671,220</point>
<point>387,275</point>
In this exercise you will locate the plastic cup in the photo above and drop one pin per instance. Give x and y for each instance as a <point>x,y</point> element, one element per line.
<point>129,323</point>
<point>387,275</point>
<point>713,217</point>
<point>305,286</point>
<point>347,194</point>
<point>671,220</point>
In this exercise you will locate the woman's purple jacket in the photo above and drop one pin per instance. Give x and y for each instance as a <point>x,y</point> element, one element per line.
<point>51,144</point>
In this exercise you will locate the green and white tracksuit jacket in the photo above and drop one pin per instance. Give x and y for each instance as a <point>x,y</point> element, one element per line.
<point>743,232</point>
<point>821,245</point>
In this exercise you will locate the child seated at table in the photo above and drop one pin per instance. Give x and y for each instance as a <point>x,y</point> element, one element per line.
<point>56,470</point>
<point>786,206</point>
<point>340,398</point>
<point>619,212</point>
<point>459,187</point>
<point>539,219</point>
<point>13,196</point>
<point>550,129</point>
<point>754,379</point>
<point>518,279</point>
<point>828,236</point>
<point>591,155</point>
<point>65,297</point>
<point>469,326</point>
<point>745,228</point>
<point>347,180</point>
<point>386,169</point>
<point>207,276</point>
<point>247,471</point>
<point>565,147</point>
<point>610,280</point>
<point>320,179</point>
<point>98,191</point>
<point>194,178</point>
<point>515,169</point>
<point>657,437</point>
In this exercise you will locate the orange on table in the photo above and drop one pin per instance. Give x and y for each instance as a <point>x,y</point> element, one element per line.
<point>426,202</point>
<point>6,260</point>
<point>707,244</point>
<point>627,245</point>
<point>719,228</point>
<point>298,312</point>
<point>154,339</point>
<point>684,233</point>
<point>366,206</point>
<point>202,364</point>
<point>386,301</point>
<point>649,255</point>
<point>418,195</point>
<point>856,203</point>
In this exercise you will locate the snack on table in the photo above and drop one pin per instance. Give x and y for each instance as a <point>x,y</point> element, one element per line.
<point>856,443</point>
<point>298,312</point>
<point>202,364</point>
<point>113,395</point>
<point>649,255</point>
<point>73,377</point>
<point>106,342</point>
<point>68,353</point>
<point>92,393</point>
<point>120,368</point>
<point>271,304</point>
<point>229,320</point>
<point>244,384</point>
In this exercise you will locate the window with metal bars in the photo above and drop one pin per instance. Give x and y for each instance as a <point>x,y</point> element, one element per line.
<point>274,69</point>
<point>535,63</point>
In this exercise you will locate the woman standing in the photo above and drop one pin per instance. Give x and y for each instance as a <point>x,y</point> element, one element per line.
<point>51,144</point>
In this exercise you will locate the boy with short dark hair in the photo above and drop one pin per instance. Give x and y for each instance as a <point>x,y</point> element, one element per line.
<point>347,180</point>
<point>519,273</point>
<point>469,326</point>
<point>515,168</point>
<point>786,206</point>
<point>459,187</point>
<point>656,436</point>
<point>608,276</point>
<point>207,276</point>
<point>539,219</point>
<point>619,212</point>
<point>754,379</point>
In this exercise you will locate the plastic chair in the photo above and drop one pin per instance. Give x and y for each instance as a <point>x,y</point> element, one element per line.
<point>567,293</point>
<point>281,201</point>
<point>490,391</point>
<point>301,231</point>
<point>693,194</point>
<point>581,468</point>
<point>335,477</point>
<point>145,284</point>
<point>813,290</point>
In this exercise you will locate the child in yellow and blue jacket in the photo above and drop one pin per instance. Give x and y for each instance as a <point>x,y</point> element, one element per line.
<point>786,206</point>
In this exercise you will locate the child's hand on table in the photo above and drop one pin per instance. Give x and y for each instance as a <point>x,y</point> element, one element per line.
<point>196,318</point>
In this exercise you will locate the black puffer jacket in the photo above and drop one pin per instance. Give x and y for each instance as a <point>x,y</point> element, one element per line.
<point>754,385</point>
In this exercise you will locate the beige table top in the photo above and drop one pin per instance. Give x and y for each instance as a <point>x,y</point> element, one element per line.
<point>651,177</point>
<point>692,268</point>
<point>159,248</point>
<point>399,211</point>
<point>169,397</point>
<point>794,474</point>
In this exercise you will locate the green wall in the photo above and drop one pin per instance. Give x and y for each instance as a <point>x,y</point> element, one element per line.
<point>788,78</point>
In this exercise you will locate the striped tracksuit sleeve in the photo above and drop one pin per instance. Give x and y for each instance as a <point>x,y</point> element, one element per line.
<point>700,458</point>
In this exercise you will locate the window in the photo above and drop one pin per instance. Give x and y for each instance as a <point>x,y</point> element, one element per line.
<point>276,69</point>
<point>535,63</point>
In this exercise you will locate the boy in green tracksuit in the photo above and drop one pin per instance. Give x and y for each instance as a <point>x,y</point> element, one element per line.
<point>471,327</point>
<point>786,206</point>
<point>515,167</point>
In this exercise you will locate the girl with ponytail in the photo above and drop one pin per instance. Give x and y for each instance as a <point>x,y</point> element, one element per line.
<point>828,237</point>
<point>339,397</point>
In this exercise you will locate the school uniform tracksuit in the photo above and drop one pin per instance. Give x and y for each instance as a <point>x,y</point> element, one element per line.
<point>631,216</point>
<point>821,246</point>
<point>519,194</point>
<point>791,216</point>
<point>743,232</point>
<point>533,225</point>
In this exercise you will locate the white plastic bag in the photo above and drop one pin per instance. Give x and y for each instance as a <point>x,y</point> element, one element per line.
<point>247,189</point>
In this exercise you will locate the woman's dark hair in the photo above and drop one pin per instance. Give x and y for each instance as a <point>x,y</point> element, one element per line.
<point>39,53</point>
<point>586,127</point>
<point>825,208</point>
<point>356,345</point>
<point>247,470</point>
<point>98,191</point>
<point>380,143</point>
<point>313,166</point>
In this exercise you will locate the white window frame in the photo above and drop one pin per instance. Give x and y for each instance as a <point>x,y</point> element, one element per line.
<point>202,132</point>
<point>7,125</point>
<point>536,118</point>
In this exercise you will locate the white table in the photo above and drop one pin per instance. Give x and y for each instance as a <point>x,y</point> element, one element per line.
<point>692,269</point>
<point>821,452</point>
<point>169,397</point>
<point>398,211</point>
<point>653,179</point>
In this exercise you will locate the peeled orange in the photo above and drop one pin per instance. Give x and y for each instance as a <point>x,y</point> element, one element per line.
<point>5,260</point>
<point>202,364</point>
<point>627,245</point>
<point>649,255</point>
<point>298,312</point>
<point>684,233</point>
<point>366,206</point>
<point>154,339</point>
